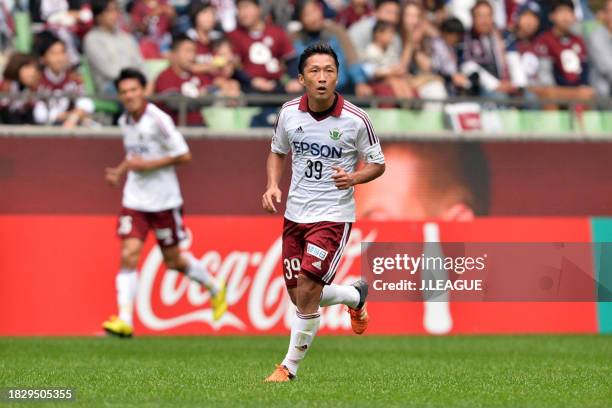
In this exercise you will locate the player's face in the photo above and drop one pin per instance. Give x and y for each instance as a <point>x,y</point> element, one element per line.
<point>132,95</point>
<point>56,58</point>
<point>483,20</point>
<point>320,77</point>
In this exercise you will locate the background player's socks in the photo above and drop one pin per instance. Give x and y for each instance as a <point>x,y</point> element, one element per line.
<point>339,295</point>
<point>197,272</point>
<point>303,330</point>
<point>127,285</point>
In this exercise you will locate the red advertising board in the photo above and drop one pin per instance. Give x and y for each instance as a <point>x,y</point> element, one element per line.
<point>58,278</point>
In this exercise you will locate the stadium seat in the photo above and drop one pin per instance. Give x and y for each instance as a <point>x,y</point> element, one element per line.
<point>23,32</point>
<point>223,118</point>
<point>153,67</point>
<point>108,107</point>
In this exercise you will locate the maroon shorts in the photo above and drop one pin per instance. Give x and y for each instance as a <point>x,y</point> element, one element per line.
<point>314,249</point>
<point>167,225</point>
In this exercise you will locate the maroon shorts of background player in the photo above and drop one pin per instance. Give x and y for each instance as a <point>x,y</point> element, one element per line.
<point>167,225</point>
<point>314,249</point>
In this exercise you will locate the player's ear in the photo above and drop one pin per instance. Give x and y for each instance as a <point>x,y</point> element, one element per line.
<point>301,79</point>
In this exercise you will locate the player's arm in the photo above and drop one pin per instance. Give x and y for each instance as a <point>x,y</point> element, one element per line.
<point>275,165</point>
<point>369,172</point>
<point>137,163</point>
<point>113,174</point>
<point>274,170</point>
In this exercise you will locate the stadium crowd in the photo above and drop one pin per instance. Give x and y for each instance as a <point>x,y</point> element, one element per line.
<point>429,49</point>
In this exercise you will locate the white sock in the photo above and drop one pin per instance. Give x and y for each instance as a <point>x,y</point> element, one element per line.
<point>127,286</point>
<point>303,331</point>
<point>340,295</point>
<point>197,272</point>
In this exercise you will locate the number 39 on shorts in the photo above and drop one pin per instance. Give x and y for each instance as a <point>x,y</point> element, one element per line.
<point>292,267</point>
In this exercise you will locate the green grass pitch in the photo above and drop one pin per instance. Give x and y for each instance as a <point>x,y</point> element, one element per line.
<point>470,371</point>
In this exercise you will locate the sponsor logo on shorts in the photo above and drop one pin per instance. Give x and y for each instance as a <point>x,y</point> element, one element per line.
<point>316,251</point>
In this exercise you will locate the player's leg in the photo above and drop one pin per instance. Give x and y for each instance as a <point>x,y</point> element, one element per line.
<point>188,264</point>
<point>132,229</point>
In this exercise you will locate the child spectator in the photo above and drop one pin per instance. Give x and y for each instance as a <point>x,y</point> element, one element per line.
<point>58,79</point>
<point>353,12</point>
<point>521,40</point>
<point>444,56</point>
<point>153,20</point>
<point>21,79</point>
<point>384,61</point>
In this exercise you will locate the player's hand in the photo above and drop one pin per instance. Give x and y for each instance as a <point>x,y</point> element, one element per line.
<point>342,179</point>
<point>112,176</point>
<point>271,196</point>
<point>137,163</point>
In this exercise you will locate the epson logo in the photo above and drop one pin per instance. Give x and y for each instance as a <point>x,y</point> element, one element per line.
<point>317,150</point>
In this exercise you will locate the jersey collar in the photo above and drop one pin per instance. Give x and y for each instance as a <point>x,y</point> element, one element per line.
<point>336,112</point>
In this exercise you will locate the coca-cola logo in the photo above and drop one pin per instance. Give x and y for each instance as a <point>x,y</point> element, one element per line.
<point>256,292</point>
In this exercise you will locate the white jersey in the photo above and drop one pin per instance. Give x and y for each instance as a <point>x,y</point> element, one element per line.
<point>153,136</point>
<point>339,139</point>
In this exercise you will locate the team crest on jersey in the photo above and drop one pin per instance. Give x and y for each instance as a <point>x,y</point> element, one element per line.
<point>335,134</point>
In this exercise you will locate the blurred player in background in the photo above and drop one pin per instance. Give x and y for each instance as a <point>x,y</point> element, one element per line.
<point>151,199</point>
<point>326,136</point>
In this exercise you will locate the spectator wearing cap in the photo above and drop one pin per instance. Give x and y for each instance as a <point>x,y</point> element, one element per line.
<point>315,28</point>
<point>354,11</point>
<point>21,79</point>
<point>520,41</point>
<point>600,52</point>
<point>265,52</point>
<point>109,49</point>
<point>63,101</point>
<point>152,21</point>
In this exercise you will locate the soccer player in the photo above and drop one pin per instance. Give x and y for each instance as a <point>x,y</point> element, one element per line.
<point>151,199</point>
<point>326,136</point>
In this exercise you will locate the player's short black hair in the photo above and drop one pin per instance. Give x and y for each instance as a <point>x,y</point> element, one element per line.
<point>379,3</point>
<point>317,48</point>
<point>131,73</point>
<point>44,41</point>
<point>452,26</point>
<point>562,3</point>
<point>179,39</point>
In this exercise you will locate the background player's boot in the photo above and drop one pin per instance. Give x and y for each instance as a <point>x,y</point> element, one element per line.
<point>281,374</point>
<point>219,303</point>
<point>118,327</point>
<point>359,315</point>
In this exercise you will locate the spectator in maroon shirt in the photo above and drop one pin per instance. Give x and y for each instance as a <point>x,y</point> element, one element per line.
<point>178,79</point>
<point>563,57</point>
<point>59,80</point>
<point>153,20</point>
<point>354,11</point>
<point>265,51</point>
<point>21,79</point>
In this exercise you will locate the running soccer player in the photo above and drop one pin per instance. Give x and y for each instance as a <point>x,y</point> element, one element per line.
<point>326,136</point>
<point>151,199</point>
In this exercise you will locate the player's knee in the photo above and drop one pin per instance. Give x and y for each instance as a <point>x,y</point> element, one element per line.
<point>129,257</point>
<point>175,263</point>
